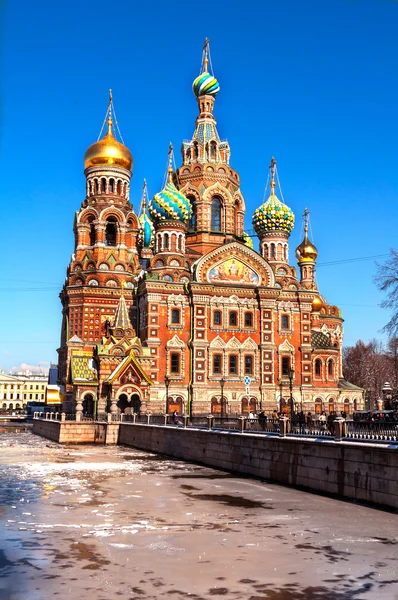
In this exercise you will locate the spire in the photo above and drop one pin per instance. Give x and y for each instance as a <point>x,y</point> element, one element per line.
<point>144,198</point>
<point>170,169</point>
<point>205,59</point>
<point>122,319</point>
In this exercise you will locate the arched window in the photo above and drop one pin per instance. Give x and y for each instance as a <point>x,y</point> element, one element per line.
<point>273,254</point>
<point>90,220</point>
<point>318,367</point>
<point>330,368</point>
<point>217,317</point>
<point>103,185</point>
<point>175,316</point>
<point>213,150</point>
<point>166,241</point>
<point>195,150</point>
<point>233,318</point>
<point>111,186</point>
<point>192,222</point>
<point>111,231</point>
<point>248,319</point>
<point>96,186</point>
<point>216,205</point>
<point>285,322</point>
<point>119,187</point>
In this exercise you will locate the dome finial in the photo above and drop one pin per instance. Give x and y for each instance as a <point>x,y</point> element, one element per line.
<point>206,84</point>
<point>205,55</point>
<point>170,169</point>
<point>272,168</point>
<point>306,251</point>
<point>144,197</point>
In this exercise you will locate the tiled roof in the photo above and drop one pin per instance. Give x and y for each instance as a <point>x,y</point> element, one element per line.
<point>319,340</point>
<point>346,385</point>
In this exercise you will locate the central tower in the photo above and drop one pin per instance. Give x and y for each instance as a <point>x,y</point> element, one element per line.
<point>206,177</point>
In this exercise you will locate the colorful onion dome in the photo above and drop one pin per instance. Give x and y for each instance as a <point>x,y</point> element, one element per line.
<point>247,240</point>
<point>170,205</point>
<point>273,215</point>
<point>108,151</point>
<point>205,84</point>
<point>145,235</point>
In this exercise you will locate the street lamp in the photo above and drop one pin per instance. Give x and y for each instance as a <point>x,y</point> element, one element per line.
<point>222,383</point>
<point>291,376</point>
<point>167,383</point>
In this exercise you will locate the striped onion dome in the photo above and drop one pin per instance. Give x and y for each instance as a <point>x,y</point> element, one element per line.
<point>205,84</point>
<point>170,205</point>
<point>145,234</point>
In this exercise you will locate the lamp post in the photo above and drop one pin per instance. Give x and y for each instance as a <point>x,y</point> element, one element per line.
<point>291,376</point>
<point>167,383</point>
<point>222,383</point>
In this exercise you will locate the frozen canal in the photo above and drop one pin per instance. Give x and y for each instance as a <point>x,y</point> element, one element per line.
<point>105,523</point>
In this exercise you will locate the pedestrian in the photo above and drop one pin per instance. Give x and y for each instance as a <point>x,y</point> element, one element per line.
<point>322,420</point>
<point>275,415</point>
<point>301,421</point>
<point>262,419</point>
<point>309,420</point>
<point>175,417</point>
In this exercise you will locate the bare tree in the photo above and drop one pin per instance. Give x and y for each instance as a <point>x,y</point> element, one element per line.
<point>387,281</point>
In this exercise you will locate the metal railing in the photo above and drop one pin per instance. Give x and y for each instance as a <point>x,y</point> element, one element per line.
<point>338,429</point>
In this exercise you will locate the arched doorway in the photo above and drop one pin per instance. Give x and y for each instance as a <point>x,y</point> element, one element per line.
<point>135,403</point>
<point>218,405</point>
<point>123,402</point>
<point>88,405</point>
<point>248,405</point>
<point>318,406</point>
<point>347,406</point>
<point>331,406</point>
<point>175,403</point>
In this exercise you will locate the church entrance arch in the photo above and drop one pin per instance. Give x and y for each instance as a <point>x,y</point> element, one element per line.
<point>248,405</point>
<point>219,405</point>
<point>123,402</point>
<point>175,403</point>
<point>88,405</point>
<point>135,403</point>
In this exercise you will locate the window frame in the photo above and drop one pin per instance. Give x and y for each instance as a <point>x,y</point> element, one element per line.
<point>175,311</point>
<point>251,359</point>
<point>175,356</point>
<point>236,316</point>
<point>249,313</point>
<point>286,370</point>
<point>217,370</point>
<point>217,312</point>
<point>287,319</point>
<point>233,370</point>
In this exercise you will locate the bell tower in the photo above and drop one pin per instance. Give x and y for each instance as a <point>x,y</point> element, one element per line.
<point>105,254</point>
<point>205,177</point>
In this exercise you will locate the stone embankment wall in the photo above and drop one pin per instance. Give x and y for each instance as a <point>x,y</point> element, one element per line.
<point>363,472</point>
<point>74,432</point>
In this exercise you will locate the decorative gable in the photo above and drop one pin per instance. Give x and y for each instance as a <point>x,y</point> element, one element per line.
<point>234,264</point>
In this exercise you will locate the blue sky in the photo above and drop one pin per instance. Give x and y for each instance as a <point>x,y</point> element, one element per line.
<point>312,82</point>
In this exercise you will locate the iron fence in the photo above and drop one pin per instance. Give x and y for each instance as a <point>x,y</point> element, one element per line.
<point>372,430</point>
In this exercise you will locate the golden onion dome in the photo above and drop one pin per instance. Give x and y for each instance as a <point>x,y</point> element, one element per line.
<point>306,251</point>
<point>317,304</point>
<point>108,151</point>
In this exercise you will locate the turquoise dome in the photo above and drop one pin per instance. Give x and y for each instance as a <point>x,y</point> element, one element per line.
<point>145,235</point>
<point>205,84</point>
<point>273,215</point>
<point>170,205</point>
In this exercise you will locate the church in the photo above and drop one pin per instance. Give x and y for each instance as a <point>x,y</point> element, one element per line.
<point>166,304</point>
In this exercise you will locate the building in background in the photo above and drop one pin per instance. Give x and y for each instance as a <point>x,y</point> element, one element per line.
<point>18,389</point>
<point>167,305</point>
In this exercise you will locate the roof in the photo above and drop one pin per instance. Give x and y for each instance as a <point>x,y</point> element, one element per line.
<point>83,370</point>
<point>130,359</point>
<point>320,340</point>
<point>346,385</point>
